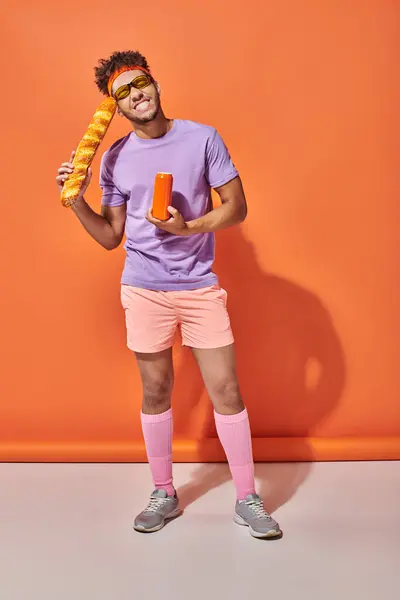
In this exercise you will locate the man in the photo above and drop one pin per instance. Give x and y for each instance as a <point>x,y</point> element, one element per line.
<point>168,281</point>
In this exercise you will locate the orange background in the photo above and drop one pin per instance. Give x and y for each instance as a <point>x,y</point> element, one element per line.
<point>306,96</point>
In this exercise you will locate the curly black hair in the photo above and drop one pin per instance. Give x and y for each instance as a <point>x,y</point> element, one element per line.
<point>107,66</point>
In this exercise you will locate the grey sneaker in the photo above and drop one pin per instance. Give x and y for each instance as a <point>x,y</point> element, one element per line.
<point>251,512</point>
<point>160,508</point>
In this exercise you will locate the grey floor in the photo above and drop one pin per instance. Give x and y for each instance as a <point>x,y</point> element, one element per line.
<point>66,534</point>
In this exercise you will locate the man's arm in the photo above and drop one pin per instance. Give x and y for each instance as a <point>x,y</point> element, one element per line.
<point>108,228</point>
<point>232,211</point>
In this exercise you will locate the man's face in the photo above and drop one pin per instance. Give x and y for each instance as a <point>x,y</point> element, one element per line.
<point>141,106</point>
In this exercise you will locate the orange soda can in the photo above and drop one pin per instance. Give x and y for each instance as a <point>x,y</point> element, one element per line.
<point>162,196</point>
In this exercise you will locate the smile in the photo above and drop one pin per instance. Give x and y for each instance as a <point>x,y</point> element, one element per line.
<point>142,105</point>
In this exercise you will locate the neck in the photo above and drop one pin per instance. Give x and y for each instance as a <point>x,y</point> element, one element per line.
<point>155,129</point>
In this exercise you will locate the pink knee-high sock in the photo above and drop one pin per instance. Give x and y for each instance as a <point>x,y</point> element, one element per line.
<point>235,437</point>
<point>157,433</point>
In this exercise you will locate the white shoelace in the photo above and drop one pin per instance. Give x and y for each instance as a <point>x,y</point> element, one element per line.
<point>155,504</point>
<point>257,507</point>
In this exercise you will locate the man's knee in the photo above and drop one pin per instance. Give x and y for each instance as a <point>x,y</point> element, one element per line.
<point>226,396</point>
<point>157,393</point>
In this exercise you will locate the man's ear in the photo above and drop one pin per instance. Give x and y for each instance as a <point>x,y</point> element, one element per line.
<point>158,88</point>
<point>119,112</point>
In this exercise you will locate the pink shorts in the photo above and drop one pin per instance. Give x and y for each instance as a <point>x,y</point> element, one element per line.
<point>152,318</point>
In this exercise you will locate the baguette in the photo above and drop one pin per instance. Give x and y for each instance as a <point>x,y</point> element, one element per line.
<point>86,151</point>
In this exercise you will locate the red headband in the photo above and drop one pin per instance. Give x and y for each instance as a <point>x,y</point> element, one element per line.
<point>118,72</point>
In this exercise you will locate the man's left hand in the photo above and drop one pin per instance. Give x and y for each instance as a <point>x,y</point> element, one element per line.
<point>175,225</point>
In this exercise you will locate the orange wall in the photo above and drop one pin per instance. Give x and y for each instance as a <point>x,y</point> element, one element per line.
<point>306,96</point>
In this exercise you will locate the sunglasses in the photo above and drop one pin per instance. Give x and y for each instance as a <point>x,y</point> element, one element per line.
<point>139,83</point>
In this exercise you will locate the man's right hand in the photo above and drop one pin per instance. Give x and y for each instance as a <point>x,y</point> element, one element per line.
<point>66,169</point>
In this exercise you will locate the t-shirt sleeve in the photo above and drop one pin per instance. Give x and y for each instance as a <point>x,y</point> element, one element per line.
<point>111,195</point>
<point>219,166</point>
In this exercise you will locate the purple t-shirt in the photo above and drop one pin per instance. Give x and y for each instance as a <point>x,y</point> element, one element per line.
<point>198,160</point>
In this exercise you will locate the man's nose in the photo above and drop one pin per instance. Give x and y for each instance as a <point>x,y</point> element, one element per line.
<point>136,94</point>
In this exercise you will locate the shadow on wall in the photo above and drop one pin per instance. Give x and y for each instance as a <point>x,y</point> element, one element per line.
<point>291,368</point>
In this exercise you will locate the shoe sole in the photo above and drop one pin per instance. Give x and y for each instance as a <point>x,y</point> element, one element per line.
<point>272,533</point>
<point>172,515</point>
